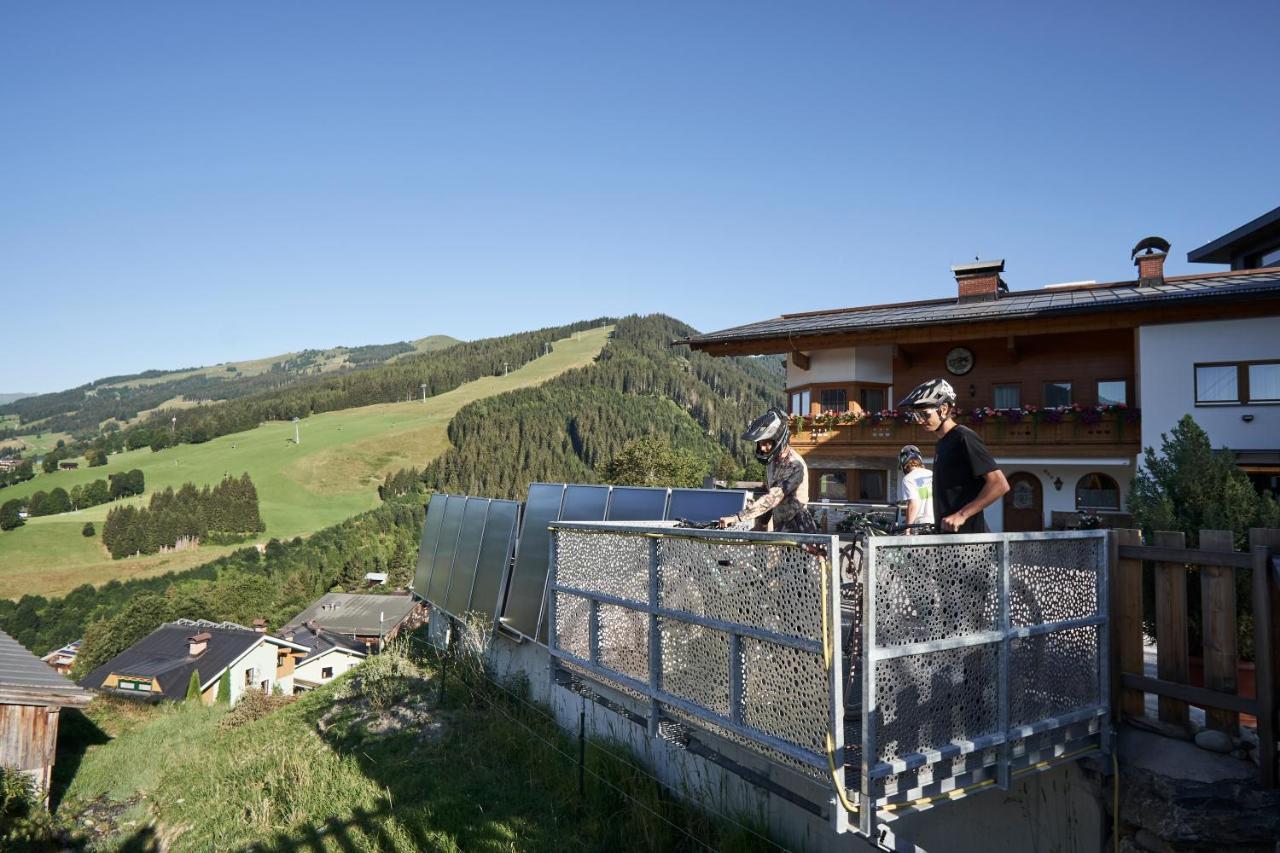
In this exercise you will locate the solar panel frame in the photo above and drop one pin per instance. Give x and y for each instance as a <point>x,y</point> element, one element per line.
<point>626,503</point>
<point>705,504</point>
<point>442,570</point>
<point>584,503</point>
<point>496,551</point>
<point>466,558</point>
<point>529,575</point>
<point>427,546</point>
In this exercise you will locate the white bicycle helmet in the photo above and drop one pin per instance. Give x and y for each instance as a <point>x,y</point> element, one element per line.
<point>930,394</point>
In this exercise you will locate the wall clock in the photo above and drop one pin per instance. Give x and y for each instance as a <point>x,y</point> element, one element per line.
<point>959,361</point>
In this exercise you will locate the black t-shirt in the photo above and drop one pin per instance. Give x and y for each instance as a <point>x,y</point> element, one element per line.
<point>960,462</point>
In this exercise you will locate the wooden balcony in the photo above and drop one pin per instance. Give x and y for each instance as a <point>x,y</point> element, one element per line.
<point>1074,435</point>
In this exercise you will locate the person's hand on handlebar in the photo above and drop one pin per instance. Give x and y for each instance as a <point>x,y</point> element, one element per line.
<point>730,521</point>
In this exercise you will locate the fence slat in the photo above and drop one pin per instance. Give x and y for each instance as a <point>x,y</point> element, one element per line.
<point>1171,627</point>
<point>1266,603</point>
<point>1126,607</point>
<point>1219,621</point>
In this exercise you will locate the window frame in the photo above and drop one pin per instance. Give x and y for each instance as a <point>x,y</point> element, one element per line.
<point>996,386</point>
<point>1104,476</point>
<point>1071,392</point>
<point>1243,392</point>
<point>1097,395</point>
<point>811,394</point>
<point>852,484</point>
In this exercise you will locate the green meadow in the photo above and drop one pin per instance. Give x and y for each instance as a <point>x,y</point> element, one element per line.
<point>330,475</point>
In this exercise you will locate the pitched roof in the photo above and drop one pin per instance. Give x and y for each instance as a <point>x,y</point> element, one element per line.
<point>25,679</point>
<point>321,642</point>
<point>349,613</point>
<point>162,655</point>
<point>1121,296</point>
<point>1251,235</point>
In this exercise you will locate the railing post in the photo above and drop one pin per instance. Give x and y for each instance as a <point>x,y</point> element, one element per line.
<point>655,639</point>
<point>1219,619</point>
<point>1171,627</point>
<point>1126,623</point>
<point>1002,685</point>
<point>866,799</point>
<point>1264,596</point>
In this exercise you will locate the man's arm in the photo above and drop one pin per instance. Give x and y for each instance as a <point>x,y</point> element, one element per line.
<point>994,487</point>
<point>757,507</point>
<point>915,508</point>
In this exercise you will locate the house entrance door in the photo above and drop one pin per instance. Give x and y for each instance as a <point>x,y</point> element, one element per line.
<point>1023,504</point>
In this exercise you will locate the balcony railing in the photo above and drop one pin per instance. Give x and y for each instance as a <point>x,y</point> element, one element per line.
<point>1087,426</point>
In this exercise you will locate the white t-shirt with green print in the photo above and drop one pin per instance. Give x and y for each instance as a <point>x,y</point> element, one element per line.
<point>917,485</point>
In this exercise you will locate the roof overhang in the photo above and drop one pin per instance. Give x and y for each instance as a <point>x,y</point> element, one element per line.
<point>15,695</point>
<point>1220,251</point>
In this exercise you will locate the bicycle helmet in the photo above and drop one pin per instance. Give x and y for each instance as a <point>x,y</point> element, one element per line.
<point>908,453</point>
<point>771,426</point>
<point>929,395</point>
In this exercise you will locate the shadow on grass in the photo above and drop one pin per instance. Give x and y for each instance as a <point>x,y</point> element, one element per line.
<point>76,734</point>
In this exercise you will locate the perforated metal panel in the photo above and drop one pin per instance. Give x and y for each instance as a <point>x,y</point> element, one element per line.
<point>636,503</point>
<point>523,601</point>
<point>442,565</point>
<point>936,592</point>
<point>705,504</point>
<point>496,552</point>
<point>427,547</point>
<point>466,555</point>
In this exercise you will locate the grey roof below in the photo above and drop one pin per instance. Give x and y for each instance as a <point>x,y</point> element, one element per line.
<point>322,642</point>
<point>162,655</point>
<point>351,613</point>
<point>1212,287</point>
<point>25,676</point>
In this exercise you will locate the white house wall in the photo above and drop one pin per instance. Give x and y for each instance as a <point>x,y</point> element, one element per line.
<point>1055,500</point>
<point>1168,355</point>
<point>340,661</point>
<point>262,658</point>
<point>848,364</point>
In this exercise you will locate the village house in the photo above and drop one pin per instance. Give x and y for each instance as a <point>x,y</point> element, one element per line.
<point>1066,383</point>
<point>32,697</point>
<point>63,659</point>
<point>159,666</point>
<point>329,655</point>
<point>368,620</point>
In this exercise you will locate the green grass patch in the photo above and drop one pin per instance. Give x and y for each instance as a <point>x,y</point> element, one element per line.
<point>330,476</point>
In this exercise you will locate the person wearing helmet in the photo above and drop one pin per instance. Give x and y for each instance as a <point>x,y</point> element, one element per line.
<point>917,486</point>
<point>966,479</point>
<point>786,478</point>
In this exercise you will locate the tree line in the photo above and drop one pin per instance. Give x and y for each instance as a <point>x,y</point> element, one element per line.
<point>58,500</point>
<point>571,427</point>
<point>189,515</point>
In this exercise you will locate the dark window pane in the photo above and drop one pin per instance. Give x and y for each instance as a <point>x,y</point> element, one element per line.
<point>872,399</point>
<point>833,399</point>
<point>1097,491</point>
<point>1008,396</point>
<point>872,485</point>
<point>1057,393</point>
<point>833,486</point>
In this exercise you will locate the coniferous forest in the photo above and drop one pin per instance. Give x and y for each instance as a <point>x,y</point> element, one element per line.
<point>189,515</point>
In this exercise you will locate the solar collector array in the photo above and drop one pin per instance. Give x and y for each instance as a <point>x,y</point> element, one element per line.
<point>466,546</point>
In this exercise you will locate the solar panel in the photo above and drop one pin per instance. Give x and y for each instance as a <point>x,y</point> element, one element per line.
<point>458,598</point>
<point>443,564</point>
<point>495,555</point>
<point>529,578</point>
<point>584,503</point>
<point>705,504</point>
<point>635,503</point>
<point>427,548</point>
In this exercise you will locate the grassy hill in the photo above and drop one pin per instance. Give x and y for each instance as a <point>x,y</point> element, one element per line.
<point>339,770</point>
<point>331,475</point>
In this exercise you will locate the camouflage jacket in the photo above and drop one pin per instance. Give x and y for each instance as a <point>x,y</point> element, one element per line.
<point>787,479</point>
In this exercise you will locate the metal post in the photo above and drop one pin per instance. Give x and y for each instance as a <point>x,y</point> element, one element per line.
<point>835,679</point>
<point>866,798</point>
<point>735,677</point>
<point>1106,558</point>
<point>593,631</point>
<point>655,640</point>
<point>1002,683</point>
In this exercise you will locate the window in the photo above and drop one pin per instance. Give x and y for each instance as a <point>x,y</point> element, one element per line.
<point>142,684</point>
<point>872,399</point>
<point>831,486</point>
<point>1097,491</point>
<point>250,675</point>
<point>1057,393</point>
<point>1243,382</point>
<point>833,399</point>
<point>1217,384</point>
<point>800,403</point>
<point>326,672</point>
<point>1008,396</point>
<point>1113,392</point>
<point>873,486</point>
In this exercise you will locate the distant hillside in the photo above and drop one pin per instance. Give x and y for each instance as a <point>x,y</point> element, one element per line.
<point>123,398</point>
<point>14,397</point>
<point>565,429</point>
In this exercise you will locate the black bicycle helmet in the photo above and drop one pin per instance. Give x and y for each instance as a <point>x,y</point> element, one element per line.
<point>908,453</point>
<point>771,426</point>
<point>930,394</point>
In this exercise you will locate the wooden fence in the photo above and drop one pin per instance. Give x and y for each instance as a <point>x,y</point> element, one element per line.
<point>1217,562</point>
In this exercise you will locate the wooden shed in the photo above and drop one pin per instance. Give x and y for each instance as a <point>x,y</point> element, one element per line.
<point>32,695</point>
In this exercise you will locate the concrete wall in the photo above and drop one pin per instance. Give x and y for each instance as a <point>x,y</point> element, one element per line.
<point>1167,381</point>
<point>849,364</point>
<point>1052,811</point>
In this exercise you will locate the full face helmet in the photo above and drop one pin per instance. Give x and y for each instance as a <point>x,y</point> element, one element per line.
<point>771,426</point>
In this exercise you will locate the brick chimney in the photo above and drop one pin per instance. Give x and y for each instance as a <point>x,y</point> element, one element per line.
<point>1150,263</point>
<point>260,625</point>
<point>980,281</point>
<point>197,644</point>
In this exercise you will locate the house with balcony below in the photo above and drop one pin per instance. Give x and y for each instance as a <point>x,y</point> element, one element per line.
<point>1065,383</point>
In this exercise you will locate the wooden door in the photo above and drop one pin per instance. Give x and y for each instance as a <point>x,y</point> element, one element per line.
<point>1023,504</point>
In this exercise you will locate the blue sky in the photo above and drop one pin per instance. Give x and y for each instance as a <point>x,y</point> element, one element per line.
<point>185,184</point>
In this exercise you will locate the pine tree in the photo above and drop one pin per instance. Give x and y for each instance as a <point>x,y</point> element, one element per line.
<point>224,688</point>
<point>193,687</point>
